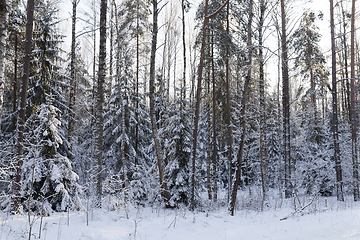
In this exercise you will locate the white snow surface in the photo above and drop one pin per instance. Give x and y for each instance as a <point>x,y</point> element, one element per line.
<point>334,222</point>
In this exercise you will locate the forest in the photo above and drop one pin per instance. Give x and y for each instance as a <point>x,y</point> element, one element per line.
<point>178,104</point>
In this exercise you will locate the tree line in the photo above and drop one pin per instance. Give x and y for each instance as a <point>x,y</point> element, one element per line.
<point>141,111</point>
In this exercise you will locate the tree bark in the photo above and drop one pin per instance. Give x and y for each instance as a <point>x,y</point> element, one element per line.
<point>286,103</point>
<point>100,102</point>
<point>197,108</point>
<point>72,81</point>
<point>228,116</point>
<point>159,152</point>
<point>345,83</point>
<point>16,182</point>
<point>3,16</point>
<point>15,81</point>
<point>242,114</point>
<point>352,110</point>
<point>214,157</point>
<point>183,91</point>
<point>339,182</point>
<point>263,153</point>
<point>137,85</point>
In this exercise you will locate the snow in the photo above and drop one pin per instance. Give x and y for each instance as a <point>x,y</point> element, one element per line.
<point>335,222</point>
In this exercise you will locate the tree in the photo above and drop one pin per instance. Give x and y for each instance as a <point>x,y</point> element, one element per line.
<point>309,57</point>
<point>159,152</point>
<point>286,103</point>
<point>99,125</point>
<point>263,4</point>
<point>16,184</point>
<point>3,16</point>
<point>72,78</point>
<point>335,122</point>
<point>352,110</point>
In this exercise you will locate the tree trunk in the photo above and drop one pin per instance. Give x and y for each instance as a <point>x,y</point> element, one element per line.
<point>72,81</point>
<point>3,16</point>
<point>209,146</point>
<point>197,108</point>
<point>159,152</point>
<point>183,91</point>
<point>346,91</point>
<point>214,157</point>
<point>15,81</point>
<point>286,104</point>
<point>339,182</point>
<point>100,102</point>
<point>137,85</point>
<point>352,110</point>
<point>242,114</point>
<point>263,153</point>
<point>228,116</point>
<point>16,183</point>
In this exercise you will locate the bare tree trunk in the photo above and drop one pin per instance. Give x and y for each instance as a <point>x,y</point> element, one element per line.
<point>3,16</point>
<point>352,110</point>
<point>214,157</point>
<point>228,116</point>
<point>183,91</point>
<point>159,152</point>
<point>15,81</point>
<point>197,108</point>
<point>243,110</point>
<point>16,184</point>
<point>339,182</point>
<point>286,104</point>
<point>72,81</point>
<point>111,54</point>
<point>208,158</point>
<point>137,85</point>
<point>99,126</point>
<point>263,153</point>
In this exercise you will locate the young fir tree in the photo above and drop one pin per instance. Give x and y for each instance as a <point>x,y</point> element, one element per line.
<point>127,115</point>
<point>47,173</point>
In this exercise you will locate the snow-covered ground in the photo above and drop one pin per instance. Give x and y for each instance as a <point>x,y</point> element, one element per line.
<point>323,219</point>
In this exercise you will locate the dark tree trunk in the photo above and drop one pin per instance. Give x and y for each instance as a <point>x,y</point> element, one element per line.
<point>72,81</point>
<point>286,103</point>
<point>16,182</point>
<point>183,91</point>
<point>3,16</point>
<point>228,116</point>
<point>214,157</point>
<point>352,110</point>
<point>339,182</point>
<point>263,153</point>
<point>137,85</point>
<point>159,152</point>
<point>15,81</point>
<point>99,125</point>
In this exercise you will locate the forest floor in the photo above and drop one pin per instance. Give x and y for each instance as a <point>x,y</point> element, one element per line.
<point>324,218</point>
